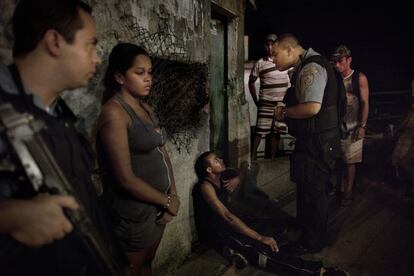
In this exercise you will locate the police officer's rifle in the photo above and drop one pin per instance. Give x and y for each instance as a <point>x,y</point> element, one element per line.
<point>21,131</point>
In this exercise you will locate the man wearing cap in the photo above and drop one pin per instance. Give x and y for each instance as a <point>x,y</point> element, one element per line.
<point>311,114</point>
<point>355,119</point>
<point>273,86</point>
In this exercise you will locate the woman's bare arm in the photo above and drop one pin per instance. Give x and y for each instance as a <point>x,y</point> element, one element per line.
<point>113,130</point>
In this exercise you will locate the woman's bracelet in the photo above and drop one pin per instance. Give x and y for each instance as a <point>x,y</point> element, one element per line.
<point>169,196</point>
<point>168,202</point>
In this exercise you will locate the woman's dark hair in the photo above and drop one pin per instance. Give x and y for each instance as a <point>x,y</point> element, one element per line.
<point>32,19</point>
<point>120,60</point>
<point>201,165</point>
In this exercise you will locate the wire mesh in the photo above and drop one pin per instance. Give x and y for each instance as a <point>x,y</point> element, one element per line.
<point>179,87</point>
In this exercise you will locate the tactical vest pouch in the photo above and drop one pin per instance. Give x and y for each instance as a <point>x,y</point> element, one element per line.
<point>326,120</point>
<point>323,121</point>
<point>329,146</point>
<point>300,128</point>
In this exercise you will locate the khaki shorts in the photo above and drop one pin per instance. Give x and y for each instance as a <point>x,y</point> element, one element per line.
<point>352,150</point>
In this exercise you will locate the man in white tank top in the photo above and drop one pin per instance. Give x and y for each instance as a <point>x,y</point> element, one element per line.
<point>356,116</point>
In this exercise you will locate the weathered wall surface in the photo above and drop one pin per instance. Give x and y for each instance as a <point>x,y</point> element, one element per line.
<point>178,30</point>
<point>6,37</point>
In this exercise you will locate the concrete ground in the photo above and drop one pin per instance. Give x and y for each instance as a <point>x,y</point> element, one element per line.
<point>377,237</point>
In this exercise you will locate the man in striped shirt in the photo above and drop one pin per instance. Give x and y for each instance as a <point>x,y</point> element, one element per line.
<point>273,86</point>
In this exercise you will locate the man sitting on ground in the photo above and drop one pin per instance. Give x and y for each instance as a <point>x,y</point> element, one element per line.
<point>262,242</point>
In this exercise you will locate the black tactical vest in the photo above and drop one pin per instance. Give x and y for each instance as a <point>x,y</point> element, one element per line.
<point>318,136</point>
<point>76,160</point>
<point>327,117</point>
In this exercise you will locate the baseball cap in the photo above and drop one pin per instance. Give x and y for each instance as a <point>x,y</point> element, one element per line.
<point>271,37</point>
<point>340,52</point>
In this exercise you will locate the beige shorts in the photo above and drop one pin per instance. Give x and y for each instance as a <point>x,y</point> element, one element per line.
<point>352,150</point>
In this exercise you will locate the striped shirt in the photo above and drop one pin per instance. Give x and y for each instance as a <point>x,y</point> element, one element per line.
<point>273,83</point>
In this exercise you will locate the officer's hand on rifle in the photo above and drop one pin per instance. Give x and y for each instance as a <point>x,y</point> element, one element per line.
<point>38,221</point>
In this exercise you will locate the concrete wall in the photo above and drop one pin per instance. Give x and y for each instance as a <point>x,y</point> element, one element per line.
<point>6,37</point>
<point>185,23</point>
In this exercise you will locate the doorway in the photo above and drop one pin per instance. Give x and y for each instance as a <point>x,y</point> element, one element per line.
<point>217,87</point>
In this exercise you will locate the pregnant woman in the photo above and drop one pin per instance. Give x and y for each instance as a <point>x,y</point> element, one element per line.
<point>135,166</point>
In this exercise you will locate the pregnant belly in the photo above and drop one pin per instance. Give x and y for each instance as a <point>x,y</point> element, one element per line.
<point>153,169</point>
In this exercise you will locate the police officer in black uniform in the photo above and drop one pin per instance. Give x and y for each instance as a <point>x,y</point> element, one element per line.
<point>54,50</point>
<point>311,113</point>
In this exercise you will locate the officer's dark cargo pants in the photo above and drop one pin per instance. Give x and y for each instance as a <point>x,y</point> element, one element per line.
<point>312,199</point>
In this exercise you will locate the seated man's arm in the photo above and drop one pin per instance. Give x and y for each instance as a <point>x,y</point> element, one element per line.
<point>232,183</point>
<point>38,221</point>
<point>209,194</point>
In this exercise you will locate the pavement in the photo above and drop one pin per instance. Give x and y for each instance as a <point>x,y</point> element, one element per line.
<point>376,238</point>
